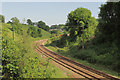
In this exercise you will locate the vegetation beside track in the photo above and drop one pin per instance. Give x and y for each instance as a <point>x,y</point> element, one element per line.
<point>97,43</point>
<point>70,54</point>
<point>19,59</point>
<point>93,42</point>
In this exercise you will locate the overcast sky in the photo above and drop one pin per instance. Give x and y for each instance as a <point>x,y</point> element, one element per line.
<point>49,12</point>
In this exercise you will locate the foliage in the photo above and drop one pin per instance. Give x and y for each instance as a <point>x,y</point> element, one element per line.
<point>62,42</point>
<point>54,27</point>
<point>9,22</point>
<point>109,22</point>
<point>54,32</point>
<point>59,27</point>
<point>104,48</point>
<point>10,57</point>
<point>17,25</point>
<point>29,22</point>
<point>101,42</point>
<point>107,37</point>
<point>19,59</point>
<point>42,25</point>
<point>34,31</point>
<point>2,19</point>
<point>15,20</point>
<point>77,19</point>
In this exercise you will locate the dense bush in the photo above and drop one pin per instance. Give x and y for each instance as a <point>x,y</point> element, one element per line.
<point>34,31</point>
<point>89,55</point>
<point>2,18</point>
<point>104,54</point>
<point>11,54</point>
<point>19,59</point>
<point>62,41</point>
<point>43,25</point>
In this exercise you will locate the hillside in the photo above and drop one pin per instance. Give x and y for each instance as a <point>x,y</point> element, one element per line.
<point>19,58</point>
<point>45,35</point>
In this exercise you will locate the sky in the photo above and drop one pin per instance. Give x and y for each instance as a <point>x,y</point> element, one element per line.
<point>49,12</point>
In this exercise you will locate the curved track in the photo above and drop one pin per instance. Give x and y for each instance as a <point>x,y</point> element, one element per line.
<point>86,72</point>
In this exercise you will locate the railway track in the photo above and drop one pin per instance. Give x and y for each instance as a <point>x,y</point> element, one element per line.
<point>86,72</point>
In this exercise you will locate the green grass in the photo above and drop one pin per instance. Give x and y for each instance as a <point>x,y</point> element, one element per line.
<point>68,53</point>
<point>59,73</point>
<point>28,44</point>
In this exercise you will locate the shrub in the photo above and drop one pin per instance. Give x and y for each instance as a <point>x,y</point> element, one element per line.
<point>88,55</point>
<point>34,31</point>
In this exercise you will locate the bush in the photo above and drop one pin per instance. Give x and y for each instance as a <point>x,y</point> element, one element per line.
<point>10,57</point>
<point>88,55</point>
<point>62,42</point>
<point>106,59</point>
<point>34,31</point>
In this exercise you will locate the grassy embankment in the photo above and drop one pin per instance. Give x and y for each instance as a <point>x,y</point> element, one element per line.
<point>25,64</point>
<point>66,51</point>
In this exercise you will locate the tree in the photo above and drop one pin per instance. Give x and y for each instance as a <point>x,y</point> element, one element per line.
<point>39,32</point>
<point>46,28</point>
<point>15,20</point>
<point>82,25</point>
<point>9,22</point>
<point>34,31</point>
<point>74,22</point>
<point>17,26</point>
<point>2,19</point>
<point>42,25</point>
<point>54,27</point>
<point>109,22</point>
<point>29,22</point>
<point>109,32</point>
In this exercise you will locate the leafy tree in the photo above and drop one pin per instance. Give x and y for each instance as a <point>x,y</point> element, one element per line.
<point>17,25</point>
<point>29,22</point>
<point>34,31</point>
<point>42,25</point>
<point>15,20</point>
<point>74,22</point>
<point>54,27</point>
<point>9,22</point>
<point>82,25</point>
<point>109,30</point>
<point>60,26</point>
<point>109,22</point>
<point>39,32</point>
<point>46,28</point>
<point>2,19</point>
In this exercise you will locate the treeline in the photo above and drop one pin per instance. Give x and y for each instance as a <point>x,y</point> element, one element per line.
<point>34,27</point>
<point>96,41</point>
<point>39,24</point>
<point>33,31</point>
<point>60,26</point>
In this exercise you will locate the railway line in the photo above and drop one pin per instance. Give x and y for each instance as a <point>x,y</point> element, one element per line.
<point>85,72</point>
